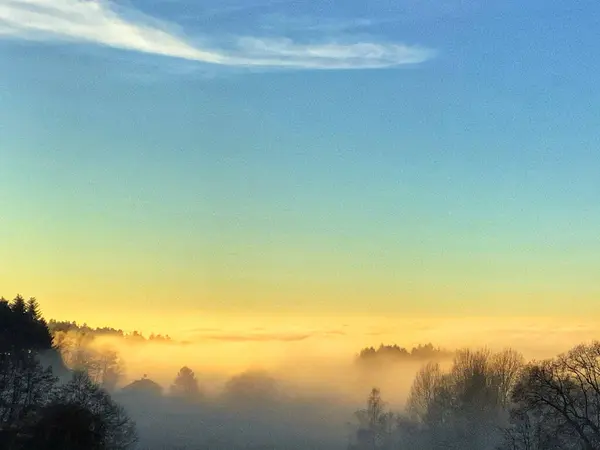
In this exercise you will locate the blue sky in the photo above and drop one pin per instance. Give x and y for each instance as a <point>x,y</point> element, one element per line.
<point>427,155</point>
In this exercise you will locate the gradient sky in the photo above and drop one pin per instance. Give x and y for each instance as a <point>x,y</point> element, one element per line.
<point>172,158</point>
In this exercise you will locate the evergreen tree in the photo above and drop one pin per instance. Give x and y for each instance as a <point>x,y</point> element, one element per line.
<point>37,413</point>
<point>18,305</point>
<point>33,309</point>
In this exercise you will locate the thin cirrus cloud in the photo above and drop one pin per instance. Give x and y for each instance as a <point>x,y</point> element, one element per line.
<point>102,23</point>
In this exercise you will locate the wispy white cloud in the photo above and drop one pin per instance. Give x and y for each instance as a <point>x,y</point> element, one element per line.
<point>96,22</point>
<point>278,22</point>
<point>285,52</point>
<point>102,23</point>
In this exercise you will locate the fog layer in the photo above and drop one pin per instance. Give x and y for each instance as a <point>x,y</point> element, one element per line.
<point>296,390</point>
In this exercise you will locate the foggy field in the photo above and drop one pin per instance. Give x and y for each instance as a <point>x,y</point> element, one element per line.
<point>69,387</point>
<point>308,405</point>
<point>280,394</point>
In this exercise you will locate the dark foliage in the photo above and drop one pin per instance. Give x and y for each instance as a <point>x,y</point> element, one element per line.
<point>62,426</point>
<point>484,400</point>
<point>557,403</point>
<point>395,353</point>
<point>118,431</point>
<point>36,412</point>
<point>22,330</point>
<point>65,326</point>
<point>24,382</point>
<point>185,385</point>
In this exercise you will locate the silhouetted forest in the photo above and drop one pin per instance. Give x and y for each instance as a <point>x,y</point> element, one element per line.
<point>44,406</point>
<point>394,353</point>
<point>59,392</point>
<point>64,326</point>
<point>493,400</point>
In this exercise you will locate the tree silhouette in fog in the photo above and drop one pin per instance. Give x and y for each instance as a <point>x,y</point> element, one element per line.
<point>463,407</point>
<point>63,426</point>
<point>251,386</point>
<point>24,382</point>
<point>385,354</point>
<point>480,400</point>
<point>135,336</point>
<point>83,392</point>
<point>557,402</point>
<point>185,385</point>
<point>376,425</point>
<point>494,401</point>
<point>36,411</point>
<point>22,330</point>
<point>80,352</point>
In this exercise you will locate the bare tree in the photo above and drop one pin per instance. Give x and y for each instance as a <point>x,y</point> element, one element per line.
<point>426,386</point>
<point>80,352</point>
<point>376,425</point>
<point>536,430</point>
<point>466,406</point>
<point>24,384</point>
<point>506,367</point>
<point>120,431</point>
<point>109,368</point>
<point>565,393</point>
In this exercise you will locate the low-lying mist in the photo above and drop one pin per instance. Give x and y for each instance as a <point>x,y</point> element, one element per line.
<point>267,392</point>
<point>307,405</point>
<point>304,369</point>
<point>283,395</point>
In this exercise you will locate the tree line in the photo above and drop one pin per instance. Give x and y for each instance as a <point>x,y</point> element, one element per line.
<point>81,352</point>
<point>463,400</point>
<point>493,401</point>
<point>395,353</point>
<point>38,408</point>
<point>57,327</point>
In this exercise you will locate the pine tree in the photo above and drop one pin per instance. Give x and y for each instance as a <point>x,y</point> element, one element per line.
<point>33,309</point>
<point>18,305</point>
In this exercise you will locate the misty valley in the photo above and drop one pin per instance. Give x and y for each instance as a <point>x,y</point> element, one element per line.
<point>65,386</point>
<point>299,225</point>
